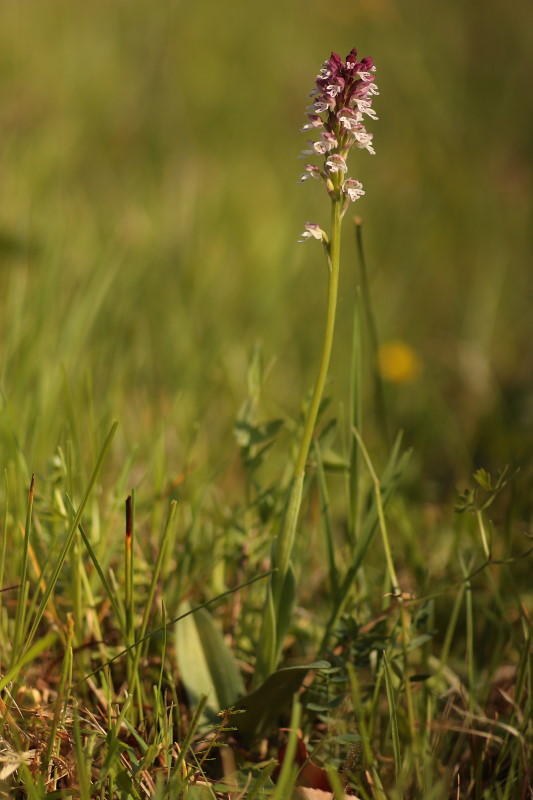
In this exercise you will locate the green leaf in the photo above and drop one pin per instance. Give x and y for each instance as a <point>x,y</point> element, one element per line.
<point>124,782</point>
<point>418,641</point>
<point>248,435</point>
<point>267,647</point>
<point>199,791</point>
<point>30,655</point>
<point>263,706</point>
<point>248,411</point>
<point>335,462</point>
<point>206,664</point>
<point>261,780</point>
<point>484,479</point>
<point>285,607</point>
<point>420,677</point>
<point>328,435</point>
<point>466,501</point>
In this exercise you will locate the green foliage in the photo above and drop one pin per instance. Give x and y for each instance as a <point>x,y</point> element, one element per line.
<point>467,500</point>
<point>206,664</point>
<point>266,703</point>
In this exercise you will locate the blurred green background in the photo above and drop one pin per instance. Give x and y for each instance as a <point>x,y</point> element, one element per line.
<point>150,211</point>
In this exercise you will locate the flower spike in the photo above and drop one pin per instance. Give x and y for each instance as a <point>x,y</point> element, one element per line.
<point>342,98</point>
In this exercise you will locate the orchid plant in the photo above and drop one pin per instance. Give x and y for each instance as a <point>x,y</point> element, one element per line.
<point>342,98</point>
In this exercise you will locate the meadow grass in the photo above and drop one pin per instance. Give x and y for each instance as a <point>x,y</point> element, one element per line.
<point>149,216</point>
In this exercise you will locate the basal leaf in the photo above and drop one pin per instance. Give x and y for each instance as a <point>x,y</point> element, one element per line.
<point>206,664</point>
<point>263,706</point>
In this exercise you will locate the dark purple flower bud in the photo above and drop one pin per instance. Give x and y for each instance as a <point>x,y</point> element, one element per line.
<point>334,62</point>
<point>367,64</point>
<point>351,58</point>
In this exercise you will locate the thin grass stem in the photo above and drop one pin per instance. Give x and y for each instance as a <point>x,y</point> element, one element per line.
<point>128,568</point>
<point>51,583</point>
<point>162,628</point>
<point>379,392</point>
<point>179,771</point>
<point>20,615</point>
<point>470,648</point>
<point>3,547</point>
<point>325,514</point>
<point>84,782</point>
<point>360,715</point>
<point>381,515</point>
<point>393,718</point>
<point>65,679</point>
<point>26,657</point>
<point>355,421</point>
<point>288,771</point>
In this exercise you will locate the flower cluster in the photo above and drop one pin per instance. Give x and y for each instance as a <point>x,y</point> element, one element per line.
<point>342,97</point>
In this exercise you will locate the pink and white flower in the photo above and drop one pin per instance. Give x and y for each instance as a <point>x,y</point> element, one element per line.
<point>336,163</point>
<point>352,189</point>
<point>313,231</point>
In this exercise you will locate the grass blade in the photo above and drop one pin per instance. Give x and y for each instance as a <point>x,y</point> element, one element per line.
<point>163,628</point>
<point>389,482</point>
<point>52,580</point>
<point>394,725</point>
<point>372,331</point>
<point>355,421</point>
<point>289,769</point>
<point>325,516</point>
<point>20,617</point>
<point>257,785</point>
<point>28,655</point>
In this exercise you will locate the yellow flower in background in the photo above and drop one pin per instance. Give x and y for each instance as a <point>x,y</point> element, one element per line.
<point>398,362</point>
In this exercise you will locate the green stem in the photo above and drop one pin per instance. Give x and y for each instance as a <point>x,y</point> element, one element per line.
<point>281,591</point>
<point>286,537</point>
<point>333,285</point>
